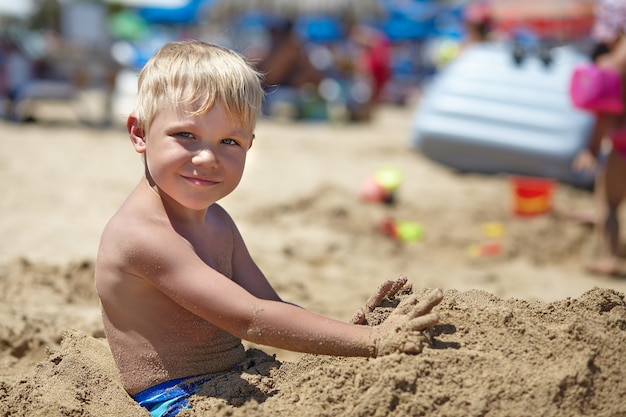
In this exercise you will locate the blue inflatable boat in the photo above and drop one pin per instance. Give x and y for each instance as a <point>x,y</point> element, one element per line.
<point>488,113</point>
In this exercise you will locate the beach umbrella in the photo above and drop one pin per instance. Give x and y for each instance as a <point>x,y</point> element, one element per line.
<point>228,9</point>
<point>187,13</point>
<point>166,11</point>
<point>554,18</point>
<point>530,9</point>
<point>149,3</point>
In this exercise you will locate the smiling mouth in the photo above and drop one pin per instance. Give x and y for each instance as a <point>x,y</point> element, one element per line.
<point>199,181</point>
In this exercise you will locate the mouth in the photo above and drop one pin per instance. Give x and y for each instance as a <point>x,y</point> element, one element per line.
<point>199,181</point>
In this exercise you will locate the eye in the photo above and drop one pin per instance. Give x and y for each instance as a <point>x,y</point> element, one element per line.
<point>185,135</point>
<point>230,141</point>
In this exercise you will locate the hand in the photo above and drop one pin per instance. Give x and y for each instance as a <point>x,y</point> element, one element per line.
<point>397,332</point>
<point>387,289</point>
<point>584,161</point>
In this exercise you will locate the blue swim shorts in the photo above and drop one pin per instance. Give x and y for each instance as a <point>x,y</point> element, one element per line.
<point>170,397</point>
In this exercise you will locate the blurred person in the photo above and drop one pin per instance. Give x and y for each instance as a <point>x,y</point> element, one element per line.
<point>477,22</point>
<point>372,65</point>
<point>477,28</point>
<point>610,186</point>
<point>286,67</point>
<point>178,288</point>
<point>375,56</point>
<point>18,72</point>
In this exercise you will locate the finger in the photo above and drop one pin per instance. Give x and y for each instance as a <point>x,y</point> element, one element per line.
<point>359,317</point>
<point>381,293</point>
<point>425,306</point>
<point>397,286</point>
<point>422,322</point>
<point>407,305</point>
<point>410,347</point>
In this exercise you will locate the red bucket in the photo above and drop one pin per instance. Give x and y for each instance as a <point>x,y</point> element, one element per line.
<point>531,196</point>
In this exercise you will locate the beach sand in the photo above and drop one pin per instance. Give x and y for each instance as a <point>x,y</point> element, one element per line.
<point>523,332</point>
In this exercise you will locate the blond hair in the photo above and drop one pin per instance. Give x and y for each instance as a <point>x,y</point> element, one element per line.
<point>195,75</point>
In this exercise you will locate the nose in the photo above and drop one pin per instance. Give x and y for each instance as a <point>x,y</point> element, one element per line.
<point>204,157</point>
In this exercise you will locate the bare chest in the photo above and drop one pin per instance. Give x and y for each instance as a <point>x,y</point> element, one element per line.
<point>214,246</point>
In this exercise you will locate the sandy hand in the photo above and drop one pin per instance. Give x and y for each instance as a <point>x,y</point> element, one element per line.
<point>387,289</point>
<point>401,331</point>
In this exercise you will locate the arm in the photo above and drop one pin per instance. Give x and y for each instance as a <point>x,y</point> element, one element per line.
<point>616,60</point>
<point>180,274</point>
<point>586,159</point>
<point>246,272</point>
<point>279,64</point>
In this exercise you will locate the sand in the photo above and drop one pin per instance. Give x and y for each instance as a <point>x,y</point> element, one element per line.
<point>522,332</point>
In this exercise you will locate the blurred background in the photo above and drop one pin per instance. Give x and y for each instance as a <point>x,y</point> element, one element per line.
<point>325,60</point>
<point>353,88</point>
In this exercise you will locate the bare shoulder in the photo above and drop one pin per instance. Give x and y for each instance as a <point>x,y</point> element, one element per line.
<point>218,212</point>
<point>219,218</point>
<point>132,236</point>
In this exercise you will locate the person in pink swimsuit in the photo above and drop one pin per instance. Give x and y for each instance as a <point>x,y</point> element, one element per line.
<point>610,186</point>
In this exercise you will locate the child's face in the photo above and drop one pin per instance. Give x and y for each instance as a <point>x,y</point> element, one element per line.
<point>195,160</point>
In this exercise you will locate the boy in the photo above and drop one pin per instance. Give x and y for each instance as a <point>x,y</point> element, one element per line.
<point>177,285</point>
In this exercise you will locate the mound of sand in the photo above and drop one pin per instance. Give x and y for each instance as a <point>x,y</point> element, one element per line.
<point>524,332</point>
<point>488,356</point>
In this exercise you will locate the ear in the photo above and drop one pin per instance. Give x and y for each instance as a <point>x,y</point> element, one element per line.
<point>137,134</point>
<point>252,141</point>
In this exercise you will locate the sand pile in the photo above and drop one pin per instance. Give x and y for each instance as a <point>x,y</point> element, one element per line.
<point>523,332</point>
<point>489,356</point>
